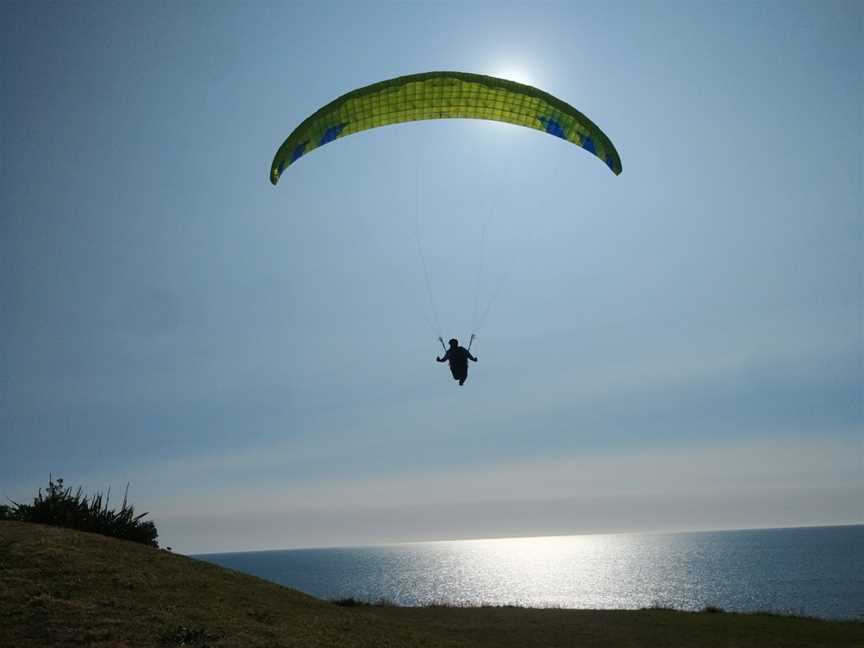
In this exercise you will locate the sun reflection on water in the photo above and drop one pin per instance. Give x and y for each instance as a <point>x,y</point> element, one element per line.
<point>537,572</point>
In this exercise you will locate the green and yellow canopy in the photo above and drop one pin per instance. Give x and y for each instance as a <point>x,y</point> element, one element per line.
<point>443,95</point>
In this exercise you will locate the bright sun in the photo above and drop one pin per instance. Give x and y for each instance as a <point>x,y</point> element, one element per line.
<point>520,75</point>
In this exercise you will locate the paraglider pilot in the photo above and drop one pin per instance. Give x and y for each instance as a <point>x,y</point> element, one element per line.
<point>458,357</point>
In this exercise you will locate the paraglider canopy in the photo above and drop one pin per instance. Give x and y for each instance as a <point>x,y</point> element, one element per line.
<point>443,95</point>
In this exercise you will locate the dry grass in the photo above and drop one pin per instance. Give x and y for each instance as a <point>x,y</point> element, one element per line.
<point>67,588</point>
<point>60,587</point>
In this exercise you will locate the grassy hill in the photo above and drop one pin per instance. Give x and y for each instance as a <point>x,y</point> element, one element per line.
<point>66,588</point>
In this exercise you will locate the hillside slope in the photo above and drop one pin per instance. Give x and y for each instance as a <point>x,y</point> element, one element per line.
<point>60,587</point>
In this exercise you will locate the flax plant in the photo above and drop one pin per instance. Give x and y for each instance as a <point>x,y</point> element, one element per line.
<point>58,506</point>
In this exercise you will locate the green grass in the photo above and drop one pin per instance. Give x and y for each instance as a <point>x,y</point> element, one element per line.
<point>60,587</point>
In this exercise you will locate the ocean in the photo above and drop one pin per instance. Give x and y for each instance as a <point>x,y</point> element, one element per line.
<point>814,571</point>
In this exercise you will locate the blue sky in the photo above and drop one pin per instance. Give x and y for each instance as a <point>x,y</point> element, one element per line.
<point>677,347</point>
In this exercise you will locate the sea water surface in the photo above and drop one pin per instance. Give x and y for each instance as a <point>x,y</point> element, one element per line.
<point>810,571</point>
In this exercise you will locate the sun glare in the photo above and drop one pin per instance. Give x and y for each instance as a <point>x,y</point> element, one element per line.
<point>520,75</point>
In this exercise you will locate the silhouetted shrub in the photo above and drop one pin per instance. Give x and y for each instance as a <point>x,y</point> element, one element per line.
<point>352,602</point>
<point>59,507</point>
